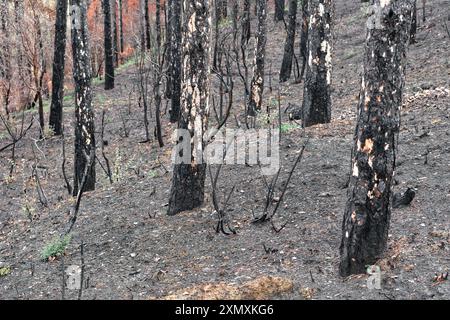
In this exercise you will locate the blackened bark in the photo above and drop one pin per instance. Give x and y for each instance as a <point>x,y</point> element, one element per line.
<point>366,220</point>
<point>115,34</point>
<point>257,84</point>
<point>286,66</point>
<point>169,18</point>
<point>157,65</point>
<point>412,38</point>
<point>188,182</point>
<point>424,4</point>
<point>176,61</point>
<point>84,114</point>
<point>56,107</point>
<point>304,36</point>
<point>222,9</point>
<point>122,41</point>
<point>279,10</point>
<point>109,52</point>
<point>234,18</point>
<point>316,106</point>
<point>147,25</point>
<point>245,35</point>
<point>5,64</point>
<point>158,23</point>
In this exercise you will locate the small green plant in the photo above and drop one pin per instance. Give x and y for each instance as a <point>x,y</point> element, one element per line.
<point>4,271</point>
<point>28,210</point>
<point>100,99</point>
<point>55,248</point>
<point>152,174</point>
<point>287,127</point>
<point>225,23</point>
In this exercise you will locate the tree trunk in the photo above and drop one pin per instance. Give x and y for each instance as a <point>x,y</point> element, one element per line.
<point>158,23</point>
<point>176,61</point>
<point>84,114</point>
<point>279,10</point>
<point>5,54</point>
<point>109,52</point>
<point>424,5</point>
<point>316,106</point>
<point>222,9</point>
<point>115,35</point>
<point>122,43</point>
<point>286,66</point>
<point>412,38</point>
<point>245,36</point>
<point>147,25</point>
<point>257,84</point>
<point>367,214</point>
<point>56,107</point>
<point>188,182</point>
<point>169,18</point>
<point>304,37</point>
<point>157,70</point>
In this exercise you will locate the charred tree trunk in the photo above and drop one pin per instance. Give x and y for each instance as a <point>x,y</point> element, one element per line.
<point>157,73</point>
<point>412,38</point>
<point>188,182</point>
<point>5,54</point>
<point>316,106</point>
<point>245,36</point>
<point>109,52</point>
<point>279,10</point>
<point>115,35</point>
<point>221,9</point>
<point>424,5</point>
<point>286,66</point>
<point>304,37</point>
<point>56,107</point>
<point>122,43</point>
<point>257,84</point>
<point>147,25</point>
<point>169,18</point>
<point>176,61</point>
<point>367,214</point>
<point>84,114</point>
<point>158,23</point>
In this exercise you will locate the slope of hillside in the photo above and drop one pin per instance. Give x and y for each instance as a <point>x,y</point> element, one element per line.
<point>133,250</point>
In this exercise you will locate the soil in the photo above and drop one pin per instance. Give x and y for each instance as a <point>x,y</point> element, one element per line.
<point>133,250</point>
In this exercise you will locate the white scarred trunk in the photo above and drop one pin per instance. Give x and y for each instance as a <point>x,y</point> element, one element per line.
<point>84,115</point>
<point>367,215</point>
<point>188,181</point>
<point>317,91</point>
<point>257,84</point>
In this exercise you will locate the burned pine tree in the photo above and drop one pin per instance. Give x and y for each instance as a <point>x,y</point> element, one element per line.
<point>367,214</point>
<point>56,107</point>
<point>245,34</point>
<point>257,83</point>
<point>147,25</point>
<point>222,9</point>
<point>412,38</point>
<point>279,10</point>
<point>304,38</point>
<point>188,181</point>
<point>158,22</point>
<point>286,66</point>
<point>122,41</point>
<point>108,43</point>
<point>175,60</point>
<point>316,106</point>
<point>115,34</point>
<point>84,173</point>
